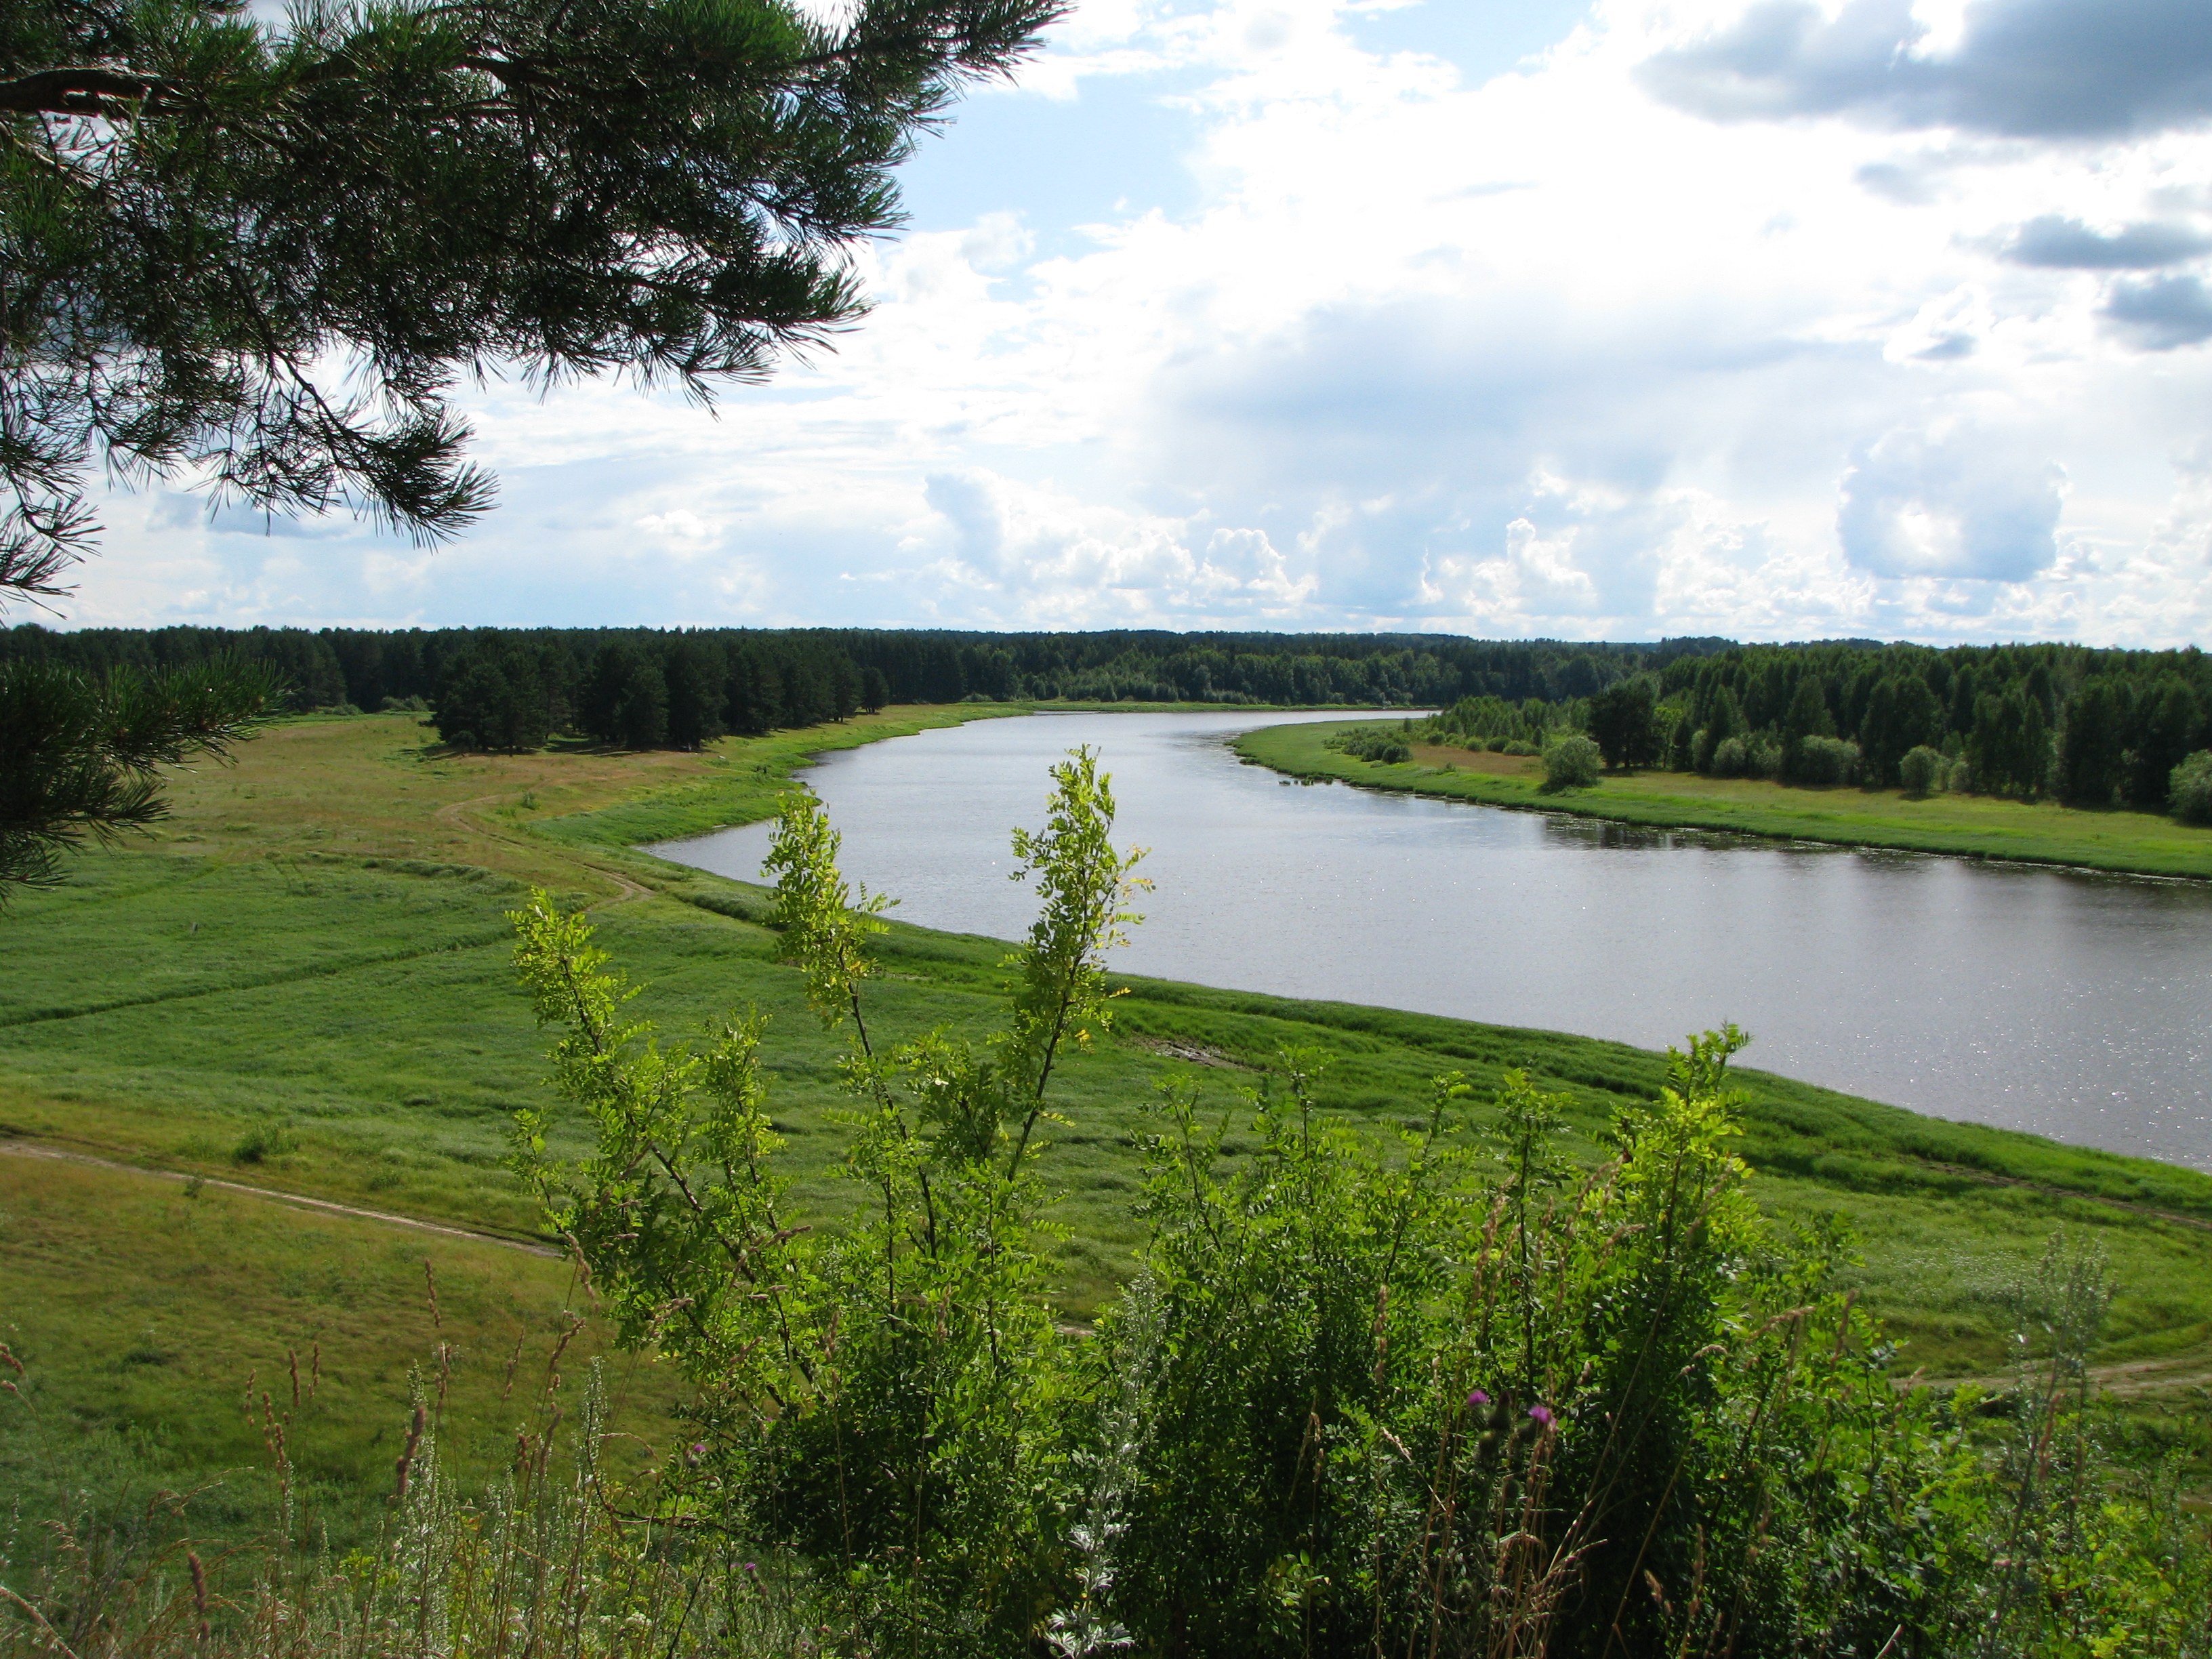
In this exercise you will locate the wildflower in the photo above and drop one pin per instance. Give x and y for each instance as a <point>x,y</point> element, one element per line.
<point>1543,1415</point>
<point>1478,1398</point>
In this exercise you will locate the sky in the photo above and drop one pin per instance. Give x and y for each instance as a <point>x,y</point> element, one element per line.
<point>1792,319</point>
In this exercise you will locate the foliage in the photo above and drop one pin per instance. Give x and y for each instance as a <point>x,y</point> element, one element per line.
<point>83,756</point>
<point>1571,762</point>
<point>1623,720</point>
<point>1955,821</point>
<point>1825,761</point>
<point>500,701</point>
<point>1372,742</point>
<point>1538,1389</point>
<point>888,1400</point>
<point>2009,744</point>
<point>2192,788</point>
<point>549,1558</point>
<point>1886,699</point>
<point>213,226</point>
<point>1921,770</point>
<point>1807,720</point>
<point>1902,714</point>
<point>1351,1399</point>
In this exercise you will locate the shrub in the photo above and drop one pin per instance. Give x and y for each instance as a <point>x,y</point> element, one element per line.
<point>2192,788</point>
<point>1921,770</point>
<point>1571,762</point>
<point>1727,759</point>
<point>1521,750</point>
<point>263,1142</point>
<point>1827,760</point>
<point>1370,743</point>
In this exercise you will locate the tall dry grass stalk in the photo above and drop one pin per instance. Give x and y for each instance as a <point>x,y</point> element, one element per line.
<point>553,1559</point>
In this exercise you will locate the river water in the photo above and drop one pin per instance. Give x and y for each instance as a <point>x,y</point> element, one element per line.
<point>2074,1005</point>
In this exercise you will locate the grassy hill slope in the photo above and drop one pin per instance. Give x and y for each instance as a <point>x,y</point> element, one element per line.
<point>303,986</point>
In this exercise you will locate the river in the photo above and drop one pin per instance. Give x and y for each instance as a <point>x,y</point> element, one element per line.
<point>2074,1005</point>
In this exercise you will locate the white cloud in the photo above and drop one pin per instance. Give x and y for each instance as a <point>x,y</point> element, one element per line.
<point>1594,348</point>
<point>1957,503</point>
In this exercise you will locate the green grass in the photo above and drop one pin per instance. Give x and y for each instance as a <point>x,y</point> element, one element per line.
<point>1976,826</point>
<point>305,986</point>
<point>151,1318</point>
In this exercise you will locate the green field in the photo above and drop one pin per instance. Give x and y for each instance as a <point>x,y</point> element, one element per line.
<point>303,985</point>
<point>1974,826</point>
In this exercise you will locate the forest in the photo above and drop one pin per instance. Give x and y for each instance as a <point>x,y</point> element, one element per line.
<point>2091,727</point>
<point>648,687</point>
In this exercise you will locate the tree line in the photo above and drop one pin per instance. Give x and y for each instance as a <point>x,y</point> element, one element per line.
<point>367,669</point>
<point>2092,727</point>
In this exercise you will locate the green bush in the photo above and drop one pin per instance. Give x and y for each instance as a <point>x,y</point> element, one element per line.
<point>1571,762</point>
<point>1370,743</point>
<point>1921,770</point>
<point>1521,750</point>
<point>1827,760</point>
<point>263,1142</point>
<point>2192,788</point>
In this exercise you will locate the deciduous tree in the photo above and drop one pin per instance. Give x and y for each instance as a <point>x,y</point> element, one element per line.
<point>1624,722</point>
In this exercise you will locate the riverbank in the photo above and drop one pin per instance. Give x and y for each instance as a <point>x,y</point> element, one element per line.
<point>305,986</point>
<point>1967,826</point>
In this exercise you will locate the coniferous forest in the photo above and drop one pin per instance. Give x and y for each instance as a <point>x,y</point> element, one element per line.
<point>2089,726</point>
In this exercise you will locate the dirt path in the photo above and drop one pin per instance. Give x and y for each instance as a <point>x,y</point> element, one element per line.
<point>2129,1379</point>
<point>1988,1179</point>
<point>300,1201</point>
<point>453,816</point>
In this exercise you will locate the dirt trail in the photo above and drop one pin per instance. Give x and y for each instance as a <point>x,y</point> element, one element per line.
<point>2128,1379</point>
<point>453,817</point>
<point>31,1149</point>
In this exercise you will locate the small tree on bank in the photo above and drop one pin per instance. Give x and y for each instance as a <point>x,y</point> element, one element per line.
<point>2192,788</point>
<point>1570,763</point>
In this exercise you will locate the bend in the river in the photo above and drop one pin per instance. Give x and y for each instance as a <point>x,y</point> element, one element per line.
<point>2063,1002</point>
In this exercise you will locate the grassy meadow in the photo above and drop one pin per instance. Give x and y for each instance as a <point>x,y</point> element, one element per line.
<point>302,984</point>
<point>1974,826</point>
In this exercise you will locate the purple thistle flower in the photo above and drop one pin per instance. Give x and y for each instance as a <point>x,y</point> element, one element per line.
<point>1543,1415</point>
<point>1478,1398</point>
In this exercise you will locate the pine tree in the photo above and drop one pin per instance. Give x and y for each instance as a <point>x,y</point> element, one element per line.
<point>80,754</point>
<point>260,254</point>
